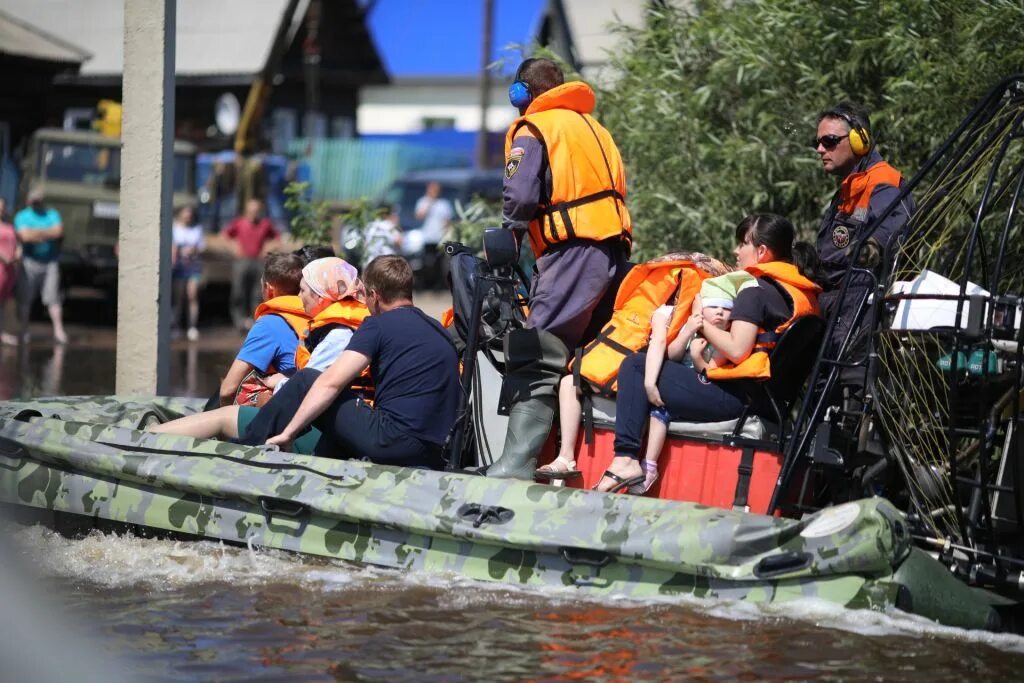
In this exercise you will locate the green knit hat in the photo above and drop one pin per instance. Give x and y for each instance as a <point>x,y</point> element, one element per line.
<point>722,290</point>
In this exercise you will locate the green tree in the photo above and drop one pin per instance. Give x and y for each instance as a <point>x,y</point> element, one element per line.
<point>714,106</point>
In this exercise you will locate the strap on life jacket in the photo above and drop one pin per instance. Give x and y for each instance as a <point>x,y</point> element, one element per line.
<point>645,288</point>
<point>803,295</point>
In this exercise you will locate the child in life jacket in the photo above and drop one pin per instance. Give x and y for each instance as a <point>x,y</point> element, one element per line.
<point>332,297</point>
<point>712,307</point>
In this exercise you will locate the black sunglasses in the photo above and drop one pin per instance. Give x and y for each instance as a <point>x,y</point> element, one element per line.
<point>829,142</point>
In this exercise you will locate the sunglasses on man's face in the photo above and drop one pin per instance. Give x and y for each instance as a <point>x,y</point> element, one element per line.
<point>829,142</point>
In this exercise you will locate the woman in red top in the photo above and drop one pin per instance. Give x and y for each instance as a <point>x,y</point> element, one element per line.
<point>10,253</point>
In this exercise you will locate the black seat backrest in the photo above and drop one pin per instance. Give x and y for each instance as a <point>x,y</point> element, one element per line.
<point>793,357</point>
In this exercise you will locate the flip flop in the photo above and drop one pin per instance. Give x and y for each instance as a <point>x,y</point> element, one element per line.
<point>569,472</point>
<point>621,482</point>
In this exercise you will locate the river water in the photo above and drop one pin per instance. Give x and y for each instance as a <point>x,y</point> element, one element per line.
<point>164,610</point>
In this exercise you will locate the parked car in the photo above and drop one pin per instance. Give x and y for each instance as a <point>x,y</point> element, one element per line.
<point>457,185</point>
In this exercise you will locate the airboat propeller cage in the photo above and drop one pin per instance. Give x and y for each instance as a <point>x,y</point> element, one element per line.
<point>500,248</point>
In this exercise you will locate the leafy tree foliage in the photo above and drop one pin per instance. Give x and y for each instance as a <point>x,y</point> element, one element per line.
<point>714,103</point>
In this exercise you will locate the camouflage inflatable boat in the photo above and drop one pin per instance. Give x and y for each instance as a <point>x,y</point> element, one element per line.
<point>86,459</point>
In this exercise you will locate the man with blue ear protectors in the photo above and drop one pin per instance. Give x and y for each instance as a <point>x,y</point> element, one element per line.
<point>565,189</point>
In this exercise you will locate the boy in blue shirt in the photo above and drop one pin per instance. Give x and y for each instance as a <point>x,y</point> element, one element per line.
<point>271,343</point>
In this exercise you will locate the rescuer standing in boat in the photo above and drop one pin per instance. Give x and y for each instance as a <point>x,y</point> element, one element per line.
<point>867,186</point>
<point>565,187</point>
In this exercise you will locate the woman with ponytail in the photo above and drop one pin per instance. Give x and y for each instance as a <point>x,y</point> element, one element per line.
<point>785,291</point>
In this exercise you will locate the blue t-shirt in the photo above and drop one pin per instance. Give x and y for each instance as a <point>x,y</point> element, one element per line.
<point>415,370</point>
<point>30,219</point>
<point>270,342</point>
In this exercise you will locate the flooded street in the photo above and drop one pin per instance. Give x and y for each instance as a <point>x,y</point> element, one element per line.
<point>167,610</point>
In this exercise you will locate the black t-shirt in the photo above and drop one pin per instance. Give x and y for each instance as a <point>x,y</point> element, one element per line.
<point>415,370</point>
<point>768,305</point>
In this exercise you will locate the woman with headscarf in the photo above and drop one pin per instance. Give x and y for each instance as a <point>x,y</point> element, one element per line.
<point>333,297</point>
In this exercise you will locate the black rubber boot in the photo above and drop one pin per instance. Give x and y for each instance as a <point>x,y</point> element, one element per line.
<point>529,424</point>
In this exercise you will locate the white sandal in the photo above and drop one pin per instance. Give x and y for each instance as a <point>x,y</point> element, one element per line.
<point>548,471</point>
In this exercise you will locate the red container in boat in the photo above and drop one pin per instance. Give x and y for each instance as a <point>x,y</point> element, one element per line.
<point>692,468</point>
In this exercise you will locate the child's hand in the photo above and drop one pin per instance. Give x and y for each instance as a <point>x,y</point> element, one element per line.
<point>694,324</point>
<point>653,395</point>
<point>698,345</point>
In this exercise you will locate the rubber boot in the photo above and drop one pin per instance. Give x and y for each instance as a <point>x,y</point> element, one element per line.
<point>529,423</point>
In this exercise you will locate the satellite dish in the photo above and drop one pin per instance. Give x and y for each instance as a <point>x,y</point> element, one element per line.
<point>227,113</point>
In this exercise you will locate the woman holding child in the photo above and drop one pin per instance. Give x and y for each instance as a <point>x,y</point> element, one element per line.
<point>702,391</point>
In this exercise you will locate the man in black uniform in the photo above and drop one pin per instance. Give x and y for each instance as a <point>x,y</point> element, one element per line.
<point>867,186</point>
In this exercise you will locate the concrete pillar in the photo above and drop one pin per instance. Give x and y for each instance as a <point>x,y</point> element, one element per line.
<point>147,137</point>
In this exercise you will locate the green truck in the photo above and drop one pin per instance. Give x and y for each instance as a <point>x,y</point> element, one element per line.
<point>80,172</point>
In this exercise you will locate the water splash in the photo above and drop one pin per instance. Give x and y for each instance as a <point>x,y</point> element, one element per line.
<point>113,561</point>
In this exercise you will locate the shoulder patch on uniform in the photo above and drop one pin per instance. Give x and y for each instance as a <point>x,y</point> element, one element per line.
<point>840,237</point>
<point>516,152</point>
<point>512,165</point>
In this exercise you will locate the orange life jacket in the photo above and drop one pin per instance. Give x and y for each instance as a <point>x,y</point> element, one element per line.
<point>448,317</point>
<point>804,295</point>
<point>856,189</point>
<point>588,178</point>
<point>252,391</point>
<point>347,312</point>
<point>646,287</point>
<point>288,307</point>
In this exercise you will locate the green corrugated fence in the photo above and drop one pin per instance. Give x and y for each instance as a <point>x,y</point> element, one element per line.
<point>344,169</point>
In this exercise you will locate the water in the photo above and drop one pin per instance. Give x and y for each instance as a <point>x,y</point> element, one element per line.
<point>203,611</point>
<point>181,611</point>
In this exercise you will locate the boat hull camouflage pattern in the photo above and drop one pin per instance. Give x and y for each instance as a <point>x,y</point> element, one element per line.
<point>88,457</point>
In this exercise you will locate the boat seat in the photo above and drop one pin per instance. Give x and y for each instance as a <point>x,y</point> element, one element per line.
<point>753,427</point>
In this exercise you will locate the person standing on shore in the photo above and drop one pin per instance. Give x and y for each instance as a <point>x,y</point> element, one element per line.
<point>251,232</point>
<point>40,230</point>
<point>187,273</point>
<point>10,255</point>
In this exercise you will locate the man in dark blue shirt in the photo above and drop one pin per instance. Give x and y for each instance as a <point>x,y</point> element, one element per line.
<point>415,369</point>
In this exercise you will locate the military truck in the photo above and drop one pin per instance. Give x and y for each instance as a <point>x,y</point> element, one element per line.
<point>80,172</point>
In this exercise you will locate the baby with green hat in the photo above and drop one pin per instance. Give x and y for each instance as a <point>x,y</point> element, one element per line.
<point>716,299</point>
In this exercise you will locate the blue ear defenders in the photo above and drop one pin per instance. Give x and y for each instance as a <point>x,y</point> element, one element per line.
<point>519,94</point>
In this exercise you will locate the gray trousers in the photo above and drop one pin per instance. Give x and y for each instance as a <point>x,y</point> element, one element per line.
<point>246,288</point>
<point>570,282</point>
<point>35,278</point>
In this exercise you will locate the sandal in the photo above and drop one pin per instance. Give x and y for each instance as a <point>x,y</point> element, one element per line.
<point>549,471</point>
<point>620,482</point>
<point>650,477</point>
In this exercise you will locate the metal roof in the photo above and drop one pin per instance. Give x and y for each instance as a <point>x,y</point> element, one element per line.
<point>22,39</point>
<point>214,37</point>
<point>589,21</point>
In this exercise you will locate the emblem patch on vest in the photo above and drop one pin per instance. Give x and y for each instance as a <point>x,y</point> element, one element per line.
<point>515,155</point>
<point>702,377</point>
<point>840,237</point>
